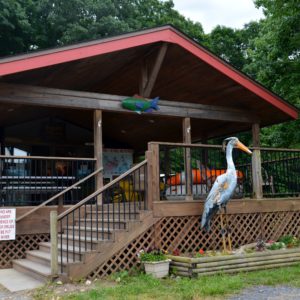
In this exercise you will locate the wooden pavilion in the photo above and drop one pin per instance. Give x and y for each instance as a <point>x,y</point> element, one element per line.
<point>61,109</point>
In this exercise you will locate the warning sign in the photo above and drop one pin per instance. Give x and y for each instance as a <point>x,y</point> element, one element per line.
<point>7,224</point>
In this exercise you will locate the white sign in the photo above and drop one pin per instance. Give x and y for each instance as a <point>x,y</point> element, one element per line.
<point>7,224</point>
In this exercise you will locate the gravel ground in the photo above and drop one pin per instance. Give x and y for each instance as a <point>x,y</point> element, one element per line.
<point>268,292</point>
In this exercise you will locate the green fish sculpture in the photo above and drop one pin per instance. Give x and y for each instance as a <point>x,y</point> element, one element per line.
<point>140,105</point>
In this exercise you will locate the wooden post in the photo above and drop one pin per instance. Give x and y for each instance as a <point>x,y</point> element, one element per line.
<point>256,164</point>
<point>187,139</point>
<point>153,191</point>
<point>54,244</point>
<point>98,148</point>
<point>2,146</point>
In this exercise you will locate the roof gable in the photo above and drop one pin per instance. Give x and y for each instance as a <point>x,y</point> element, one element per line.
<point>167,34</point>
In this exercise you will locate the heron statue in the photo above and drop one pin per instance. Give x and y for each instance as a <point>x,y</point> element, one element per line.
<point>222,189</point>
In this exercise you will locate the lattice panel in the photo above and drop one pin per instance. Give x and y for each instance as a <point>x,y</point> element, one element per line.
<point>10,250</point>
<point>277,224</point>
<point>126,258</point>
<point>184,233</point>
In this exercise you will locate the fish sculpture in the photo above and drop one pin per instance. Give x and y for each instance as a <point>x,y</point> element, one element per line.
<point>140,105</point>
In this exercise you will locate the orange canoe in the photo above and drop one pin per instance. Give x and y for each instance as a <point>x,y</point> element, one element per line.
<point>199,176</point>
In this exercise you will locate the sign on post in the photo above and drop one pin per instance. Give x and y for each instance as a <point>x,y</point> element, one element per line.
<point>7,224</point>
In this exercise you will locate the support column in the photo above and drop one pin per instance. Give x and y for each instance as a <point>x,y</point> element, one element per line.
<point>2,142</point>
<point>98,147</point>
<point>187,139</point>
<point>256,164</point>
<point>153,188</point>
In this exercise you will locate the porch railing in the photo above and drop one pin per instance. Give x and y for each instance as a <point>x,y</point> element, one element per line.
<point>94,217</point>
<point>189,170</point>
<point>31,180</point>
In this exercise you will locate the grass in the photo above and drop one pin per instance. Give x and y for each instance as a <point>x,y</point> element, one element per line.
<point>144,287</point>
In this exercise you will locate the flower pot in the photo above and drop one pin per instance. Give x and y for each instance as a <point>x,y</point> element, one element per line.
<point>157,269</point>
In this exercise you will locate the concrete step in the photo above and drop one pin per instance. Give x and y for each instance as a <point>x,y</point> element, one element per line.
<point>16,281</point>
<point>33,269</point>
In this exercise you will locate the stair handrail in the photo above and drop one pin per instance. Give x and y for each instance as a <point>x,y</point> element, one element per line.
<point>59,194</point>
<point>101,190</point>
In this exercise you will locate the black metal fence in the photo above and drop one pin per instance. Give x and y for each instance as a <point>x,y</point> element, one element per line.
<point>26,181</point>
<point>280,171</point>
<point>95,217</point>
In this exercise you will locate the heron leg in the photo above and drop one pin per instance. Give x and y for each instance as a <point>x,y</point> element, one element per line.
<point>228,231</point>
<point>223,232</point>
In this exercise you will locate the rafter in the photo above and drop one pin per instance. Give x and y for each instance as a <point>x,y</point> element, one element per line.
<point>148,80</point>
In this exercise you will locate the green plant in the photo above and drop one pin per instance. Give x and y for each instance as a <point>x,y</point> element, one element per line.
<point>151,255</point>
<point>276,246</point>
<point>290,241</point>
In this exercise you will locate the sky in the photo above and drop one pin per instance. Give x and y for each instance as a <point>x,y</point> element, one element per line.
<point>210,13</point>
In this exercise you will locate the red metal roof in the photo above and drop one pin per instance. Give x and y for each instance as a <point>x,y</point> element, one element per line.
<point>168,34</point>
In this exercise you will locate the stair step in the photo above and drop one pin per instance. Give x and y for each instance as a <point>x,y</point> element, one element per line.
<point>91,243</point>
<point>100,233</point>
<point>44,257</point>
<point>34,269</point>
<point>119,224</point>
<point>46,247</point>
<point>114,216</point>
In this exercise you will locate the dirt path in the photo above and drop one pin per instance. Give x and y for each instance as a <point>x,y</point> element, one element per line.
<point>268,293</point>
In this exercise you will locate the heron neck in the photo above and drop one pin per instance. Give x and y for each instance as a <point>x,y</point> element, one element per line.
<point>230,164</point>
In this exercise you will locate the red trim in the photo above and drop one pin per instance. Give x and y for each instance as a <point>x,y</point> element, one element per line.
<point>233,74</point>
<point>163,34</point>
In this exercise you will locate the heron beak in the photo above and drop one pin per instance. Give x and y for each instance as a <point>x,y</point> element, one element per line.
<point>243,147</point>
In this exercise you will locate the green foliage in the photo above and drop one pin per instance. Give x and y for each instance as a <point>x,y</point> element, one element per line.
<point>276,246</point>
<point>37,24</point>
<point>290,241</point>
<point>152,255</point>
<point>147,287</point>
<point>274,60</point>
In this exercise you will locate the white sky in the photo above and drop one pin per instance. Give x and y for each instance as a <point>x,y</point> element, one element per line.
<point>210,13</point>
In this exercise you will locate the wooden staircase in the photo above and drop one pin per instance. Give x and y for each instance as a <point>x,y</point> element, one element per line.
<point>94,229</point>
<point>74,261</point>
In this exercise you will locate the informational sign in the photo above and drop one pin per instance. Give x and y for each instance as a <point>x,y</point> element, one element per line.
<point>116,162</point>
<point>7,224</point>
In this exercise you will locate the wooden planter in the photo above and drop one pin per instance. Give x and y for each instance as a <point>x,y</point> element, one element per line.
<point>157,269</point>
<point>190,267</point>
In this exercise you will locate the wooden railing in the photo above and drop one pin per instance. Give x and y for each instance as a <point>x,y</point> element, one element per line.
<point>31,180</point>
<point>188,171</point>
<point>100,212</point>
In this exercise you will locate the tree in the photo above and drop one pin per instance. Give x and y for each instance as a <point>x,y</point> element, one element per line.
<point>39,24</point>
<point>15,29</point>
<point>275,62</point>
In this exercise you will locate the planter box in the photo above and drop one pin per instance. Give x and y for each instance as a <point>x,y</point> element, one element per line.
<point>191,267</point>
<point>157,269</point>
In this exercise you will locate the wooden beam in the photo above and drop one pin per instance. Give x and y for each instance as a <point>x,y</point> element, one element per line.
<point>187,139</point>
<point>155,70</point>
<point>256,164</point>
<point>49,97</point>
<point>98,148</point>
